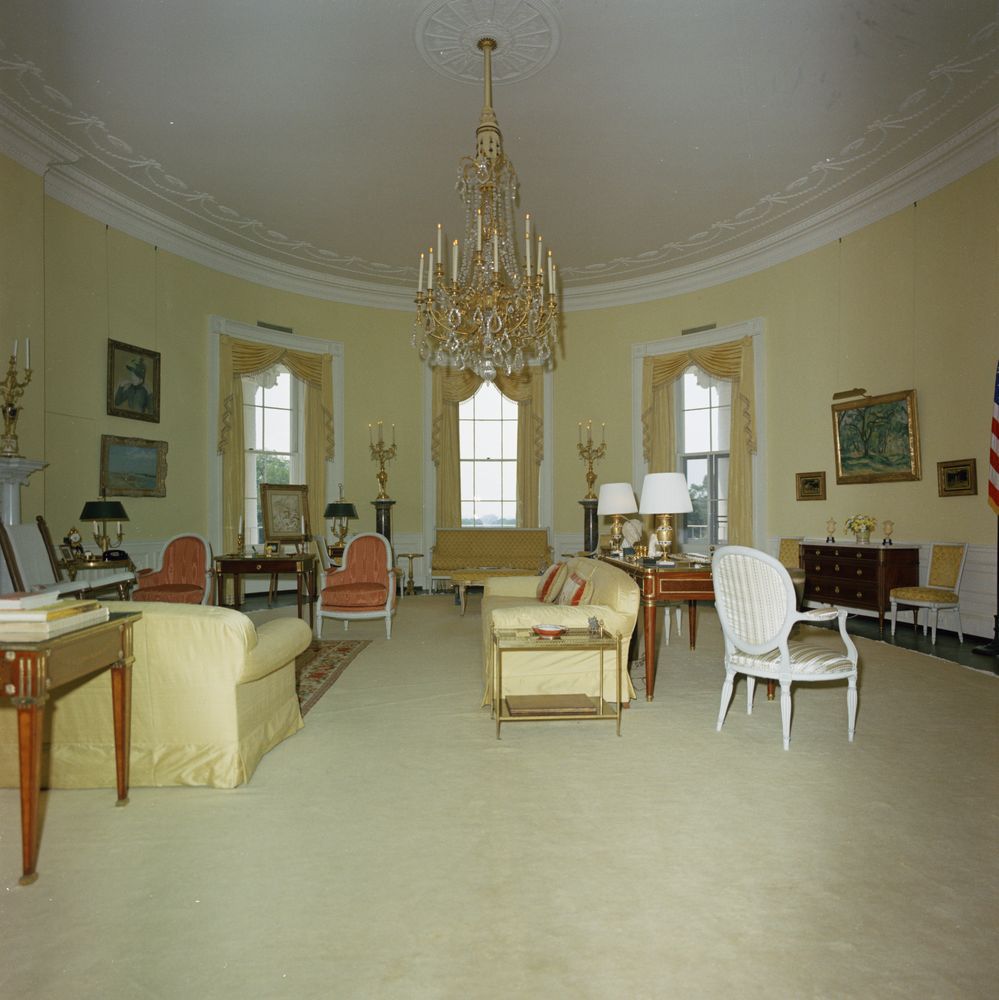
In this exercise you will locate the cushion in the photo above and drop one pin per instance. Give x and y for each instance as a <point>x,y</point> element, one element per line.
<point>355,595</point>
<point>552,581</point>
<point>575,591</point>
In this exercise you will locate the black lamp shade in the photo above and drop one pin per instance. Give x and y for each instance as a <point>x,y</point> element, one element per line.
<point>340,509</point>
<point>103,510</point>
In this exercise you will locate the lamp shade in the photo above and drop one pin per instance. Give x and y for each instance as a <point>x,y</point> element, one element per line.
<point>103,510</point>
<point>665,493</point>
<point>340,508</point>
<point>616,498</point>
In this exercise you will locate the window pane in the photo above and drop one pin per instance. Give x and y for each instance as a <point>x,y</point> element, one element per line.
<point>488,481</point>
<point>467,479</point>
<point>488,439</point>
<point>509,515</point>
<point>694,395</point>
<point>273,468</point>
<point>488,402</point>
<point>279,395</point>
<point>696,431</point>
<point>277,430</point>
<point>722,393</point>
<point>467,512</point>
<point>509,440</point>
<point>489,512</point>
<point>721,426</point>
<point>721,487</point>
<point>466,438</point>
<point>508,407</point>
<point>466,409</point>
<point>509,474</point>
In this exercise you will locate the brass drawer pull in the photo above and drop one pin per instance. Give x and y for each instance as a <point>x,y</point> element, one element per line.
<point>835,590</point>
<point>836,567</point>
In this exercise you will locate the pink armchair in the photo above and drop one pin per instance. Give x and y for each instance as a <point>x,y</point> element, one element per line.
<point>364,587</point>
<point>184,577</point>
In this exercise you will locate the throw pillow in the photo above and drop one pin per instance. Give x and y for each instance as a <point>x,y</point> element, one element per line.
<point>552,581</point>
<point>575,591</point>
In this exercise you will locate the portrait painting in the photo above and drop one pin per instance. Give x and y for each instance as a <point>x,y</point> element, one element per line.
<point>133,382</point>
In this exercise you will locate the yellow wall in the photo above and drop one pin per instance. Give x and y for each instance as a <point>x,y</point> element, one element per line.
<point>909,302</point>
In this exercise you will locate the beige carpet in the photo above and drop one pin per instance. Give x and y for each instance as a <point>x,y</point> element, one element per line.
<point>395,849</point>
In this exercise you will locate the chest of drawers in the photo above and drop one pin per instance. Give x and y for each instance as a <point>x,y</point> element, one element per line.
<point>858,576</point>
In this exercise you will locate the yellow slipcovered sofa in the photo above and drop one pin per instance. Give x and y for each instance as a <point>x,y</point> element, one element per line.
<point>511,602</point>
<point>211,694</point>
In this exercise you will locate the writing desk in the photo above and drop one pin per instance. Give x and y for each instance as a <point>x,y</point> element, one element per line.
<point>237,565</point>
<point>666,585</point>
<point>30,670</point>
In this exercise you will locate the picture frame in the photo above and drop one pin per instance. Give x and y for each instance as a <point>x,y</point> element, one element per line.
<point>876,438</point>
<point>271,549</point>
<point>810,485</point>
<point>133,467</point>
<point>133,387</point>
<point>958,478</point>
<point>285,510</point>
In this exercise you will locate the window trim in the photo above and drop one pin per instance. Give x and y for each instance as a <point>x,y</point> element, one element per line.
<point>219,325</point>
<point>754,328</point>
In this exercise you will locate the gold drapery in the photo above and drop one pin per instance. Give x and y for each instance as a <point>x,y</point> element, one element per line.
<point>732,362</point>
<point>453,387</point>
<point>240,357</point>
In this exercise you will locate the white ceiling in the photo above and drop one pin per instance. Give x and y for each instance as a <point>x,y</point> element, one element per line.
<point>660,144</point>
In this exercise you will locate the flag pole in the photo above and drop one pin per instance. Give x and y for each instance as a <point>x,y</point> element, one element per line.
<point>992,648</point>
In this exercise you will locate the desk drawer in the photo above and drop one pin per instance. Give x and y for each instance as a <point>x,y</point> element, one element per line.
<point>848,568</point>
<point>830,590</point>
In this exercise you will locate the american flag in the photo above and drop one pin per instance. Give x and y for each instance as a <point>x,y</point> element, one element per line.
<point>994,451</point>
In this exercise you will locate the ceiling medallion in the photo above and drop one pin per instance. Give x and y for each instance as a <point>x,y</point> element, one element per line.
<point>526,33</point>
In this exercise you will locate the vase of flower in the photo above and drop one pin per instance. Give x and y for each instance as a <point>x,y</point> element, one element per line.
<point>861,526</point>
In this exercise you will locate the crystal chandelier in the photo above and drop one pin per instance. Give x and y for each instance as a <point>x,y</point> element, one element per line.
<point>483,308</point>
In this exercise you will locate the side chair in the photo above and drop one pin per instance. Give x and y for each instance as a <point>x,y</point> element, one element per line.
<point>941,592</point>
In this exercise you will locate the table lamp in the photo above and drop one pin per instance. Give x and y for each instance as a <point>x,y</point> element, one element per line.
<point>665,494</point>
<point>339,512</point>
<point>104,511</point>
<point>614,501</point>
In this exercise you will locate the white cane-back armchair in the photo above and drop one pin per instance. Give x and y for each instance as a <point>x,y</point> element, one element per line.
<point>756,604</point>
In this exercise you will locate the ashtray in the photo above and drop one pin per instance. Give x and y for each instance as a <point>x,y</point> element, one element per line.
<point>548,631</point>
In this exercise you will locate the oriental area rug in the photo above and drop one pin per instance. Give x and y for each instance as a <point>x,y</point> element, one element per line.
<point>318,668</point>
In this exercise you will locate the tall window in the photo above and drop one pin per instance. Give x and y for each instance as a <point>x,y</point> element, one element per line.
<point>703,451</point>
<point>273,439</point>
<point>487,425</point>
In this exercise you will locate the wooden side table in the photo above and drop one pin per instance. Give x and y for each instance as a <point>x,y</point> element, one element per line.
<point>29,670</point>
<point>237,565</point>
<point>94,569</point>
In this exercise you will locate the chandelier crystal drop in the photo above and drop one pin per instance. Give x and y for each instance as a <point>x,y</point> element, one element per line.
<point>484,307</point>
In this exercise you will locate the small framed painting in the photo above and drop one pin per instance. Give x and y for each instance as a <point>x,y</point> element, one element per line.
<point>133,467</point>
<point>286,512</point>
<point>810,485</point>
<point>958,478</point>
<point>133,382</point>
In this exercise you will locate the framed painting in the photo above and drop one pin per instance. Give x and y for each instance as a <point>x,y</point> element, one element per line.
<point>958,478</point>
<point>877,439</point>
<point>133,467</point>
<point>286,512</point>
<point>133,382</point>
<point>810,485</point>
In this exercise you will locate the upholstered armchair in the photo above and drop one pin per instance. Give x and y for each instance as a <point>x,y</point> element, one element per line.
<point>184,575</point>
<point>363,588</point>
<point>756,605</point>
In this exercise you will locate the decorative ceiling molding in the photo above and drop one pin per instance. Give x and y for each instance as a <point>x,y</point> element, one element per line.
<point>526,33</point>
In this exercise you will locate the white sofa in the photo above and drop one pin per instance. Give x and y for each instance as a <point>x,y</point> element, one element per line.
<point>211,695</point>
<point>511,602</point>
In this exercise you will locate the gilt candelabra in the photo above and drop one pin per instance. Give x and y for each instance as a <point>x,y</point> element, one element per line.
<point>13,390</point>
<point>381,453</point>
<point>590,453</point>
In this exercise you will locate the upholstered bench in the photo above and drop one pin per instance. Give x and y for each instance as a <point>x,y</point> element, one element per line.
<point>470,556</point>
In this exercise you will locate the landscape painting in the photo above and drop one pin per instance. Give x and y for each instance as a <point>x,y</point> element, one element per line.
<point>877,438</point>
<point>132,467</point>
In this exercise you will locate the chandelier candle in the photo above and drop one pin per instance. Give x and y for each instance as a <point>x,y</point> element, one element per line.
<point>493,313</point>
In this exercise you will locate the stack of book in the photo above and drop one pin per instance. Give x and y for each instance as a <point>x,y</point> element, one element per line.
<point>30,617</point>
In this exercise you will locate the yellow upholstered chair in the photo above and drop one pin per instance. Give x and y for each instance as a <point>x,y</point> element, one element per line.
<point>364,588</point>
<point>184,575</point>
<point>788,555</point>
<point>941,591</point>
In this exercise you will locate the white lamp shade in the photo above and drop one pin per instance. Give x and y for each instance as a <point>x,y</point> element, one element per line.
<point>665,493</point>
<point>616,498</point>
